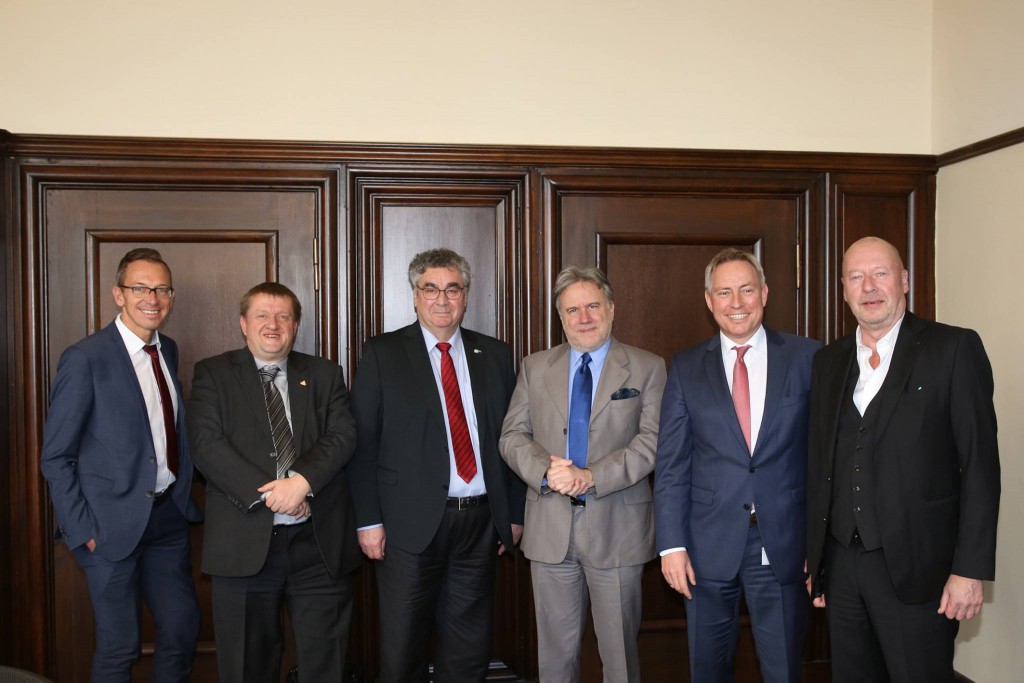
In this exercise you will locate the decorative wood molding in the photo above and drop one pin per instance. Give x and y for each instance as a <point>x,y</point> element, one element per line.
<point>977,149</point>
<point>192,149</point>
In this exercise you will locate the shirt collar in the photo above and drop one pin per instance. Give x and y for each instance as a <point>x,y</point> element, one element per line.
<point>131,340</point>
<point>431,341</point>
<point>282,365</point>
<point>758,342</point>
<point>885,345</point>
<point>597,356</point>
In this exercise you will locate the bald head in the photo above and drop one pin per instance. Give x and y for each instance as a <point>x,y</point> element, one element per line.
<point>875,245</point>
<point>875,285</point>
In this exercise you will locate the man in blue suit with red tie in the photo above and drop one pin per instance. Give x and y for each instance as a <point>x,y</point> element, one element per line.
<point>116,458</point>
<point>730,478</point>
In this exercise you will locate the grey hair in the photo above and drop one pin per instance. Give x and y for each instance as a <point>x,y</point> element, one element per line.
<point>729,255</point>
<point>570,275</point>
<point>438,258</point>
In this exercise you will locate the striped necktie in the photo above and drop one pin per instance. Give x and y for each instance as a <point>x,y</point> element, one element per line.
<point>279,426</point>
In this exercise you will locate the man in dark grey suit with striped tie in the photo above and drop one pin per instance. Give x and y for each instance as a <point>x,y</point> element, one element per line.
<point>271,431</point>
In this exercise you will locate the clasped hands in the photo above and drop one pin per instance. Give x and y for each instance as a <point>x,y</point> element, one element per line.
<point>287,496</point>
<point>568,479</point>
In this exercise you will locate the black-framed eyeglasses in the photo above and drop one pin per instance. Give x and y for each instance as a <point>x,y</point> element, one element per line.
<point>141,291</point>
<point>451,292</point>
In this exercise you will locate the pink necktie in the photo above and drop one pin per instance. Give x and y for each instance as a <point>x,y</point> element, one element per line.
<point>465,461</point>
<point>741,392</point>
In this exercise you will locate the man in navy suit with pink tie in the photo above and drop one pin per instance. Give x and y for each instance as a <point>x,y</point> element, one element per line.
<point>116,458</point>
<point>730,479</point>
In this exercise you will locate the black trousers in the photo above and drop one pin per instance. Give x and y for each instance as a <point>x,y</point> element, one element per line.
<point>449,588</point>
<point>875,636</point>
<point>247,614</point>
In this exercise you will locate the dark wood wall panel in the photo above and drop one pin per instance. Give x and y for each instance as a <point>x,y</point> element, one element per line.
<point>898,208</point>
<point>684,219</point>
<point>395,215</point>
<point>222,230</point>
<point>339,223</point>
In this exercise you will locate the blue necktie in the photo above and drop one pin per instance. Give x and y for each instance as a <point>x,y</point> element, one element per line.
<point>579,413</point>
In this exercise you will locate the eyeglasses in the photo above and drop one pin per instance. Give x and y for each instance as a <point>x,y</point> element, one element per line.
<point>451,292</point>
<point>140,291</point>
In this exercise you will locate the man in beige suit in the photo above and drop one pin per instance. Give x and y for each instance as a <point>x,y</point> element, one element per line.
<point>581,431</point>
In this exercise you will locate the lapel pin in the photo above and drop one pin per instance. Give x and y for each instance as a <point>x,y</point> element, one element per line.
<point>920,388</point>
<point>302,383</point>
<point>477,351</point>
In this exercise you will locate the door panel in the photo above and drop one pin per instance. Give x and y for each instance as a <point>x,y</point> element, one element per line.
<point>220,235</point>
<point>901,210</point>
<point>653,236</point>
<point>397,214</point>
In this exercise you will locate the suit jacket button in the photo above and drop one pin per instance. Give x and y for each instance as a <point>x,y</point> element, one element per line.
<point>752,469</point>
<point>746,506</point>
<point>149,494</point>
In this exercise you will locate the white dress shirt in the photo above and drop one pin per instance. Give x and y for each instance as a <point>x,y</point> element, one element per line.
<point>281,382</point>
<point>142,363</point>
<point>756,360</point>
<point>870,379</point>
<point>457,488</point>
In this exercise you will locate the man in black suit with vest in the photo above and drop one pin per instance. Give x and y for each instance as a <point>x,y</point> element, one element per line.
<point>903,480</point>
<point>435,503</point>
<point>271,431</point>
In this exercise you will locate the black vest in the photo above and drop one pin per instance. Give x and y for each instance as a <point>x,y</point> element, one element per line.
<point>853,495</point>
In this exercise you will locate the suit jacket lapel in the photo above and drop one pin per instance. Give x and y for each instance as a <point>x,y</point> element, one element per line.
<point>714,368</point>
<point>556,379</point>
<point>834,389</point>
<point>421,372</point>
<point>904,355</point>
<point>172,367</point>
<point>244,366</point>
<point>476,361</point>
<point>613,377</point>
<point>778,366</point>
<point>120,351</point>
<point>298,397</point>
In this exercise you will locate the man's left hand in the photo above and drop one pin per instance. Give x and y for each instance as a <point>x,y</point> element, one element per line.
<point>517,533</point>
<point>962,598</point>
<point>284,495</point>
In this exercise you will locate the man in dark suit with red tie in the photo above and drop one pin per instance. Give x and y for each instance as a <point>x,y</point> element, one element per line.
<point>120,476</point>
<point>271,431</point>
<point>435,503</point>
<point>903,481</point>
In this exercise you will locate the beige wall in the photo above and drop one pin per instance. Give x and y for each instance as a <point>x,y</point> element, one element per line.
<point>979,66</point>
<point>979,247</point>
<point>828,75</point>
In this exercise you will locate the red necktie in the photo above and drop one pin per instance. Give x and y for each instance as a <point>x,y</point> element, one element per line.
<point>741,392</point>
<point>465,461</point>
<point>165,402</point>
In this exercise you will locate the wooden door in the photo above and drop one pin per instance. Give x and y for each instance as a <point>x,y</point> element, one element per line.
<point>395,214</point>
<point>653,236</point>
<point>221,231</point>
